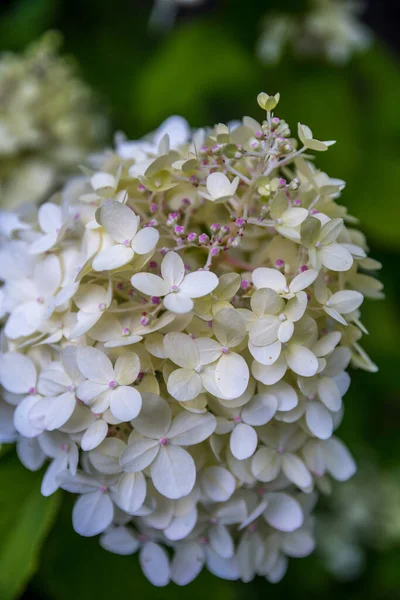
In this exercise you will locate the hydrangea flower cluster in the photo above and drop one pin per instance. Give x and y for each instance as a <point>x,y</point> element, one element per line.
<point>178,324</point>
<point>48,121</point>
<point>332,28</point>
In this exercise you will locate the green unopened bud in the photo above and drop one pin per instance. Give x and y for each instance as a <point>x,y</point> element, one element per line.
<point>267,102</point>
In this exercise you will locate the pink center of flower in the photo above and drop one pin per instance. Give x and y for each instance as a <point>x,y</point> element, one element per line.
<point>125,331</point>
<point>70,388</point>
<point>31,390</point>
<point>101,306</point>
<point>64,447</point>
<point>237,418</point>
<point>111,384</point>
<point>303,268</point>
<point>173,288</point>
<point>103,489</point>
<point>279,262</point>
<point>203,540</point>
<point>224,350</point>
<point>163,441</point>
<point>126,242</point>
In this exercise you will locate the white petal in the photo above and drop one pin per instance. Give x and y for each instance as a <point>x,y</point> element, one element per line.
<point>125,403</point>
<point>269,278</point>
<point>229,327</point>
<point>119,540</point>
<point>88,390</point>
<point>24,320</point>
<point>338,460</point>
<point>269,374</point>
<point>173,472</point>
<point>172,269</point>
<point>243,441</point>
<point>49,217</point>
<point>264,331</point>
<point>283,512</point>
<point>119,221</point>
<point>188,428</point>
<point>17,373</point>
<point>155,417</point>
<point>232,375</point>
<point>131,492</point>
<point>221,541</point>
<point>296,307</point>
<point>48,275</point>
<point>210,350</point>
<point>127,368</point>
<point>260,409</point>
<point>292,217</point>
<point>298,544</point>
<point>112,258</point>
<point>329,394</point>
<point>181,526</point>
<point>266,465</point>
<point>345,301</point>
<point>296,471</point>
<point>319,420</point>
<point>149,284</point>
<point>303,280</point>
<point>49,482</point>
<point>94,365</point>
<point>59,411</point>
<point>301,360</point>
<point>198,284</point>
<point>266,355</point>
<point>154,562</point>
<point>94,435</point>
<point>105,458</point>
<point>336,257</point>
<point>326,344</point>
<point>225,568</point>
<point>92,514</point>
<point>139,455</point>
<point>178,303</point>
<point>22,421</point>
<point>219,186</point>
<point>285,331</point>
<point>285,394</point>
<point>187,563</point>
<point>182,350</point>
<point>218,483</point>
<point>145,240</point>
<point>184,385</point>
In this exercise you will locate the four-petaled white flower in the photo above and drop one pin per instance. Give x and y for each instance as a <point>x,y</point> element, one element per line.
<point>107,387</point>
<point>157,440</point>
<point>177,288</point>
<point>121,223</point>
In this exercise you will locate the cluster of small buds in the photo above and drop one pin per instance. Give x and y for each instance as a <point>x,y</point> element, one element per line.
<point>187,393</point>
<point>332,29</point>
<point>48,122</point>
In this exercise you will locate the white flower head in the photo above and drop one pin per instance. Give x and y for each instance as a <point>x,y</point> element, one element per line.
<point>182,367</point>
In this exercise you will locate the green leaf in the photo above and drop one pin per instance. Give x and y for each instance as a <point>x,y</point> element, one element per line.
<point>25,519</point>
<point>195,66</point>
<point>78,568</point>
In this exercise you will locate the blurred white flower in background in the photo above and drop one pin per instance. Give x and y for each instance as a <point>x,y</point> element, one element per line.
<point>48,121</point>
<point>331,28</point>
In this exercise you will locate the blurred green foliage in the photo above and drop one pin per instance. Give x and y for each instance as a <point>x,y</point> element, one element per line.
<point>206,70</point>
